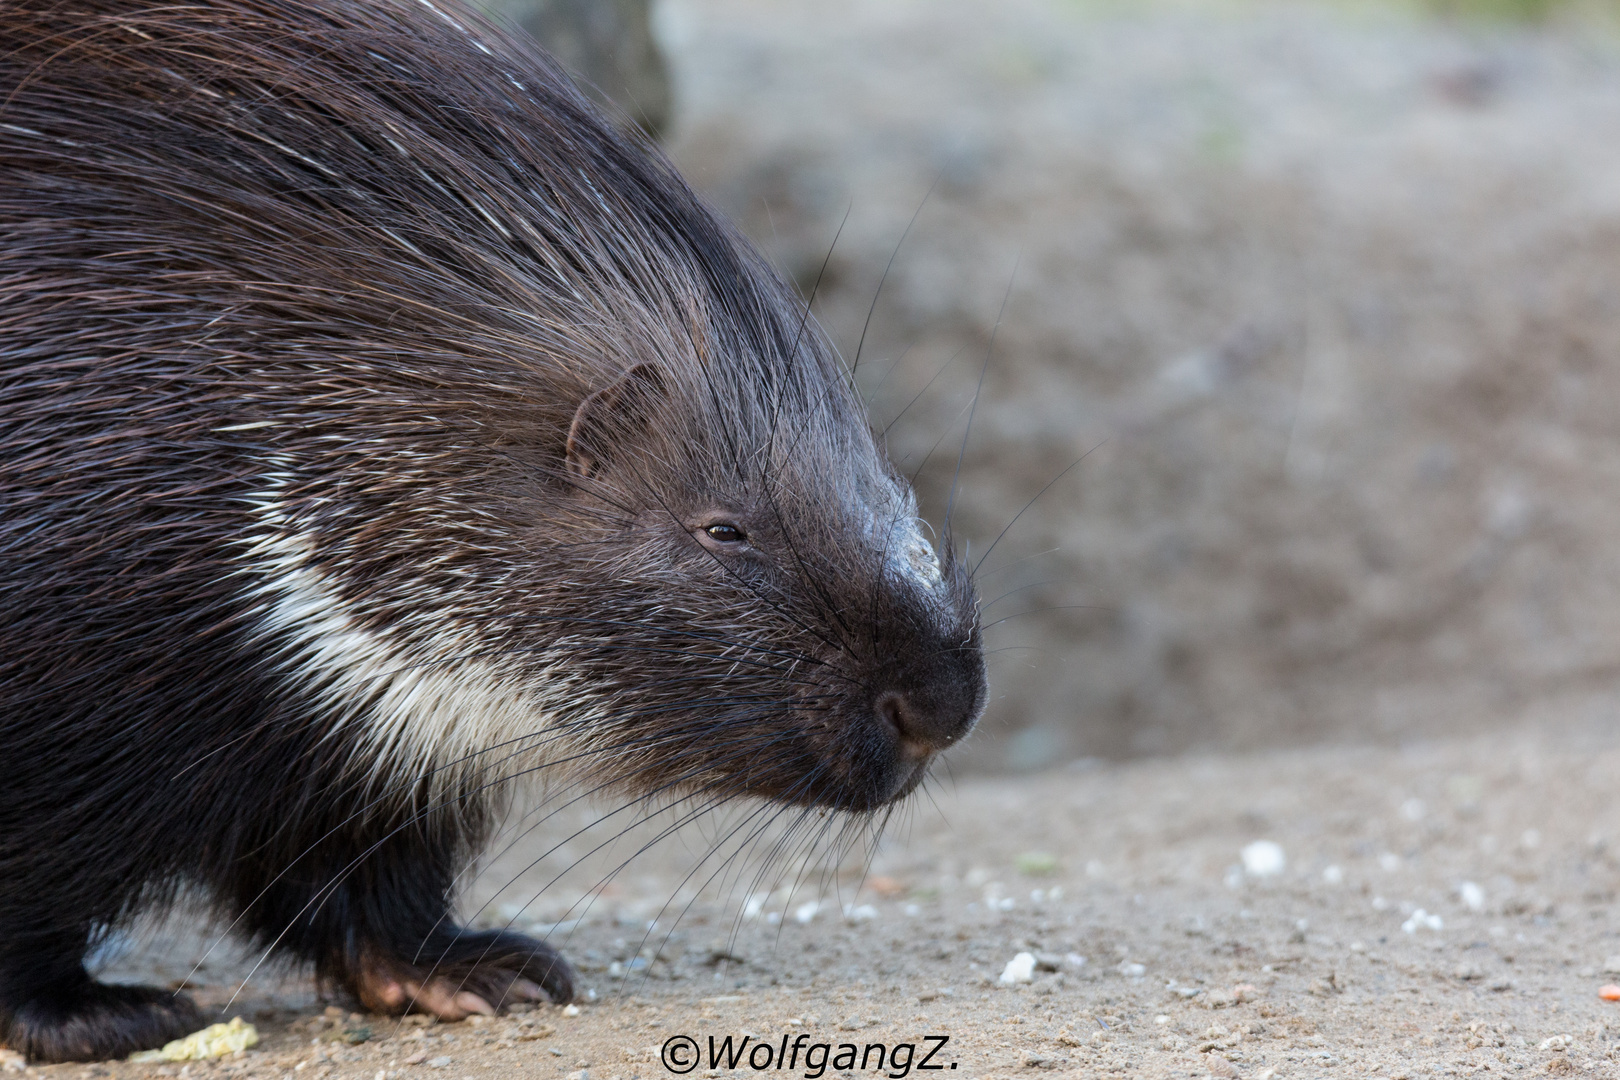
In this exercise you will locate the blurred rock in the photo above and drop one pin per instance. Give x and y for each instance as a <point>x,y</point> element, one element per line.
<point>1345,356</point>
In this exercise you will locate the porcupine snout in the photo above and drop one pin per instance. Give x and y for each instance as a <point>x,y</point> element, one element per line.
<point>926,670</point>
<point>929,695</point>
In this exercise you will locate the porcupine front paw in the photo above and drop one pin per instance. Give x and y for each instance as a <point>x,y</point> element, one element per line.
<point>463,972</point>
<point>91,1021</point>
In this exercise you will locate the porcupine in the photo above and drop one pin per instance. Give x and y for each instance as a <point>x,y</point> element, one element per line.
<point>378,424</point>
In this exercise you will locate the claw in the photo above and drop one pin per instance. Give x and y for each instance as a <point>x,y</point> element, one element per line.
<point>441,998</point>
<point>470,1002</point>
<point>435,997</point>
<point>482,978</point>
<point>392,994</point>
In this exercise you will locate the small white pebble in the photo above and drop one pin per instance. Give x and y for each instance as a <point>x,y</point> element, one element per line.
<point>1263,858</point>
<point>1422,920</point>
<point>570,1010</point>
<point>1414,809</point>
<point>1389,862</point>
<point>913,910</point>
<point>1161,1019</point>
<point>1132,971</point>
<point>1075,960</point>
<point>753,906</point>
<point>806,911</point>
<point>1333,875</point>
<point>1473,897</point>
<point>1380,904</point>
<point>1020,969</point>
<point>861,913</point>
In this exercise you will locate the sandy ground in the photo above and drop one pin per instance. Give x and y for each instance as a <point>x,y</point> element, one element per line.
<point>1441,910</point>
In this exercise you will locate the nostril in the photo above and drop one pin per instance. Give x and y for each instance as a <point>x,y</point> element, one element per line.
<point>892,708</point>
<point>899,713</point>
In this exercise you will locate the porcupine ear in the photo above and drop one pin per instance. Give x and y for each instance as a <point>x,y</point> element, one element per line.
<point>603,419</point>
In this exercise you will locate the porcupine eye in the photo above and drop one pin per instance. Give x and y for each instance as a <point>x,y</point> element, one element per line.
<point>725,534</point>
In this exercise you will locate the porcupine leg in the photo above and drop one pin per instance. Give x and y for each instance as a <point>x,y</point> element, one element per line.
<point>52,1010</point>
<point>375,918</point>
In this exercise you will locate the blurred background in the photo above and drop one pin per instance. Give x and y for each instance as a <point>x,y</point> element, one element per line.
<point>1326,295</point>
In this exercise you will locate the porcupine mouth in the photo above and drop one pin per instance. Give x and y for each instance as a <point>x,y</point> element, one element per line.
<point>850,780</point>
<point>888,781</point>
<point>859,757</point>
<point>910,775</point>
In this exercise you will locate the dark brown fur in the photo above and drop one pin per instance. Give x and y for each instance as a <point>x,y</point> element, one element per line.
<point>372,419</point>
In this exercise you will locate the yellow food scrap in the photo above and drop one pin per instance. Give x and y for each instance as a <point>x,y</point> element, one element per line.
<point>1036,863</point>
<point>215,1040</point>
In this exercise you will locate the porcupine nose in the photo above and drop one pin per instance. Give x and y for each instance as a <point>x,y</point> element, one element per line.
<point>925,723</point>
